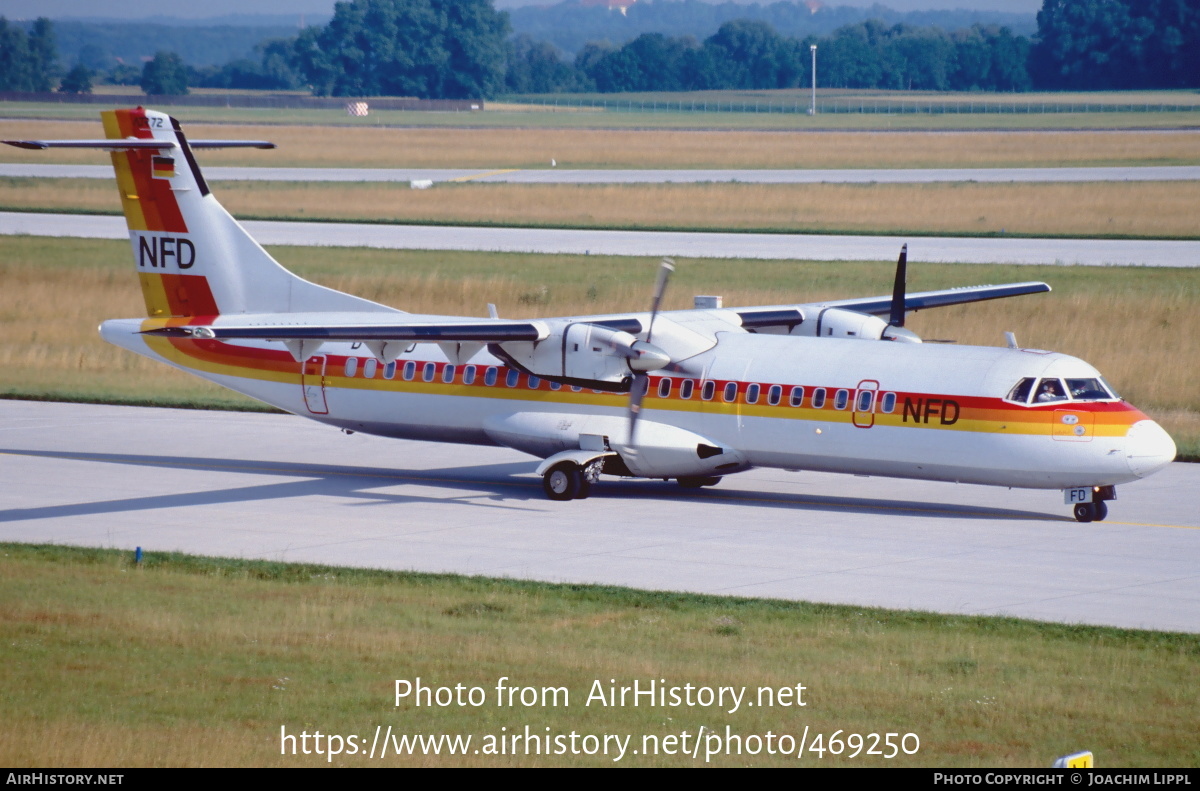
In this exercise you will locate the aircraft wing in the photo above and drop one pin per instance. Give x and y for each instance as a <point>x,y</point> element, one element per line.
<point>880,306</point>
<point>432,332</point>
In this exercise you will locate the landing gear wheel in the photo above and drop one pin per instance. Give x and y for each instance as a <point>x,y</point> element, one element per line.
<point>690,482</point>
<point>563,481</point>
<point>1086,512</point>
<point>1101,508</point>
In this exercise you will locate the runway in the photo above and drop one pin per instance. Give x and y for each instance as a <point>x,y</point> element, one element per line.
<point>811,247</point>
<point>617,176</point>
<point>282,488</point>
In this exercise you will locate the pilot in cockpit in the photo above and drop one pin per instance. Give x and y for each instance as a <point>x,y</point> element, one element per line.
<point>1049,391</point>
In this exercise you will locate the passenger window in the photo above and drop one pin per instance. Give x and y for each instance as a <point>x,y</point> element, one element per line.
<point>556,385</point>
<point>664,387</point>
<point>774,393</point>
<point>410,370</point>
<point>1021,390</point>
<point>448,374</point>
<point>818,398</point>
<point>489,376</point>
<point>889,403</point>
<point>469,375</point>
<point>797,397</point>
<point>533,382</point>
<point>686,388</point>
<point>389,370</point>
<point>752,392</point>
<point>1050,391</point>
<point>351,366</point>
<point>708,390</point>
<point>369,368</point>
<point>731,391</point>
<point>866,400</point>
<point>513,377</point>
<point>430,372</point>
<point>840,399</point>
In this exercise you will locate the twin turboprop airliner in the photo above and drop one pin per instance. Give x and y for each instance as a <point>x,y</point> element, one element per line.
<point>691,395</point>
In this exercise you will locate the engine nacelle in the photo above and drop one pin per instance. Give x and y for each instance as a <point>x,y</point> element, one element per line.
<point>585,354</point>
<point>841,323</point>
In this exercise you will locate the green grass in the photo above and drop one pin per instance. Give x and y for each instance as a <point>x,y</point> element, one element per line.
<point>198,661</point>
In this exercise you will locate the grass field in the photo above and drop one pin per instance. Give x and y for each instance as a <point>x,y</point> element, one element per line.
<point>188,661</point>
<point>1047,101</point>
<point>331,146</point>
<point>1156,210</point>
<point>58,290</point>
<point>840,109</point>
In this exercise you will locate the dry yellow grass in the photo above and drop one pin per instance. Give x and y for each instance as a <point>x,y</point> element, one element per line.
<point>1147,209</point>
<point>329,146</point>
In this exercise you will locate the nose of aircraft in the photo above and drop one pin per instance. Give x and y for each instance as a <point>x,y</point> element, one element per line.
<point>1148,448</point>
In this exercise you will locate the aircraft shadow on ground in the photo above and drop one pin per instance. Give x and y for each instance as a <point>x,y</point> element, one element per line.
<point>364,485</point>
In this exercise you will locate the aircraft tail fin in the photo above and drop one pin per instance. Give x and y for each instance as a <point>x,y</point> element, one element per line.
<point>192,257</point>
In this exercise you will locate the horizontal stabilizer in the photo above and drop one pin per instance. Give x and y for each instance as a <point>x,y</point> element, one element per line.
<point>133,144</point>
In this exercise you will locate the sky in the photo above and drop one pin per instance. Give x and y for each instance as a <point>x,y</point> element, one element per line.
<point>135,9</point>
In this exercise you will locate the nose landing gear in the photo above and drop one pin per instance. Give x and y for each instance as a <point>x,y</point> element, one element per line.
<point>1090,502</point>
<point>1091,512</point>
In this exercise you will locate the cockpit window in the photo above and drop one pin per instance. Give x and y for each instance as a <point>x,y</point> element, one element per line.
<point>1020,393</point>
<point>1049,391</point>
<point>1087,390</point>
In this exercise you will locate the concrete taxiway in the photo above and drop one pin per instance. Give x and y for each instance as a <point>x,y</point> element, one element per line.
<point>283,488</point>
<point>619,176</point>
<point>928,249</point>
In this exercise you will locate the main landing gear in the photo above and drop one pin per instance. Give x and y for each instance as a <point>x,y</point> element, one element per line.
<point>568,481</point>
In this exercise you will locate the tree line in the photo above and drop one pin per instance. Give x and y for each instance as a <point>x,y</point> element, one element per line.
<point>463,49</point>
<point>751,54</point>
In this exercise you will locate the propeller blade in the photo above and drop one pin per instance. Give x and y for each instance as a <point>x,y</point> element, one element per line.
<point>641,380</point>
<point>637,391</point>
<point>897,316</point>
<point>664,274</point>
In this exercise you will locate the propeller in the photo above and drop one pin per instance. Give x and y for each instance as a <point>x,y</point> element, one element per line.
<point>641,379</point>
<point>895,330</point>
<point>896,319</point>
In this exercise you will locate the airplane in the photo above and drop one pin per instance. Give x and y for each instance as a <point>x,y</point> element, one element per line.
<point>691,395</point>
